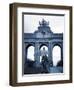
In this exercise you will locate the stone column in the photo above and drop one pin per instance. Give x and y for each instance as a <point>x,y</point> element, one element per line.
<point>25,53</point>
<point>50,54</point>
<point>24,58</point>
<point>62,52</point>
<point>37,55</point>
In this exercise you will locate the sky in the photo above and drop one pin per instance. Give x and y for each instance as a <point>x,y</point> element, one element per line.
<point>31,23</point>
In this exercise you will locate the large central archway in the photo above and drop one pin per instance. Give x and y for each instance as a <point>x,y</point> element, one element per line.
<point>43,50</point>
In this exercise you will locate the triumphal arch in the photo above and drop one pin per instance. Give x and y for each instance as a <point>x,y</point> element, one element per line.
<point>43,36</point>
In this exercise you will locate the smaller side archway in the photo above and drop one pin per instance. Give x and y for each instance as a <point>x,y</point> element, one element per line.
<point>30,53</point>
<point>56,54</point>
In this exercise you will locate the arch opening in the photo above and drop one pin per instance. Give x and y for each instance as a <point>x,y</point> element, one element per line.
<point>30,53</point>
<point>56,55</point>
<point>43,51</point>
